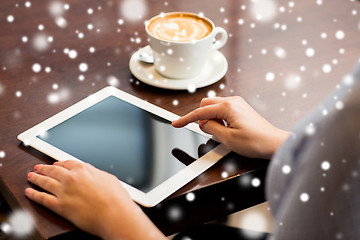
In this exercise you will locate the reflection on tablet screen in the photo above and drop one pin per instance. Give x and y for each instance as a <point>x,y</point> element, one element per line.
<point>138,147</point>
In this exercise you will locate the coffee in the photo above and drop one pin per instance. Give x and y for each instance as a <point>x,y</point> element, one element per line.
<point>181,42</point>
<point>179,27</point>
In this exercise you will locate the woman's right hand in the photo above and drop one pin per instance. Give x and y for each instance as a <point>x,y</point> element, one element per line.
<point>244,131</point>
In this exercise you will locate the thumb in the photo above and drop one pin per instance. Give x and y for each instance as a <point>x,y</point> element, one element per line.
<point>214,128</point>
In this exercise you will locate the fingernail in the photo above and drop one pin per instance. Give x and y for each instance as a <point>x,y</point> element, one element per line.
<point>27,191</point>
<point>55,163</point>
<point>30,175</point>
<point>202,123</point>
<point>36,167</point>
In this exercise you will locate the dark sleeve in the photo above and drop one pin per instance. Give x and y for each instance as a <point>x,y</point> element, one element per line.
<point>313,182</point>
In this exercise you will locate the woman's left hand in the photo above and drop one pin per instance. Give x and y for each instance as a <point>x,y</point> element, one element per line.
<point>93,200</point>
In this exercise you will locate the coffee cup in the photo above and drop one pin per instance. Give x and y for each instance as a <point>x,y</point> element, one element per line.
<point>181,43</point>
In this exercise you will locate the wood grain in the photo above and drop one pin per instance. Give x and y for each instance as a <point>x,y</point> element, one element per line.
<point>298,85</point>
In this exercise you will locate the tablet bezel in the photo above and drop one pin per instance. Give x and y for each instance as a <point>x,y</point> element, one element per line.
<point>155,195</point>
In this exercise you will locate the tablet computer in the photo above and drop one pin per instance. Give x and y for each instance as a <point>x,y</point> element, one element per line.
<point>130,138</point>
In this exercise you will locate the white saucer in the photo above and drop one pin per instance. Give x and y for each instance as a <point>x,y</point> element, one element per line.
<point>215,68</point>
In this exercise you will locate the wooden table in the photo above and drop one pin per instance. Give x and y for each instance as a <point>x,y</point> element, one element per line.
<point>284,58</point>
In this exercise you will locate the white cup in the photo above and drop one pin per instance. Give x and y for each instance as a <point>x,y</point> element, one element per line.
<point>184,60</point>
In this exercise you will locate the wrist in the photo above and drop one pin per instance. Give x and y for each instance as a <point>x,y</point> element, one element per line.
<point>280,138</point>
<point>130,223</point>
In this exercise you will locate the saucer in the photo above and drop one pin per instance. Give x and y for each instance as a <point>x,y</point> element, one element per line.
<point>215,68</point>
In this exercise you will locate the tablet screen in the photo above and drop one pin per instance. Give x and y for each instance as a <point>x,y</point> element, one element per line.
<point>136,146</point>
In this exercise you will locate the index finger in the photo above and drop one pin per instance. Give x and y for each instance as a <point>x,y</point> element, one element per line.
<point>212,100</point>
<point>204,113</point>
<point>69,164</point>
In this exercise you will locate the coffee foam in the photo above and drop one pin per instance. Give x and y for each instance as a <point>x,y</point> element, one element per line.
<point>179,27</point>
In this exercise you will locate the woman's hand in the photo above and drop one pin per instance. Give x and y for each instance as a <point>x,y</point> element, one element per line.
<point>246,132</point>
<point>93,200</point>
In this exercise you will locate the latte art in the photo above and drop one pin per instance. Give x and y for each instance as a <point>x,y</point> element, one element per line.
<point>179,28</point>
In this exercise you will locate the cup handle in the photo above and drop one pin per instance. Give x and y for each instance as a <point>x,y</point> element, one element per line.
<point>221,42</point>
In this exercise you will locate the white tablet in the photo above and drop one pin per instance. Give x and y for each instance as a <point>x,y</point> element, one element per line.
<point>130,138</point>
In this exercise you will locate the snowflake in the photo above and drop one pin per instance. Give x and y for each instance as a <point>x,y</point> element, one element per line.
<point>56,8</point>
<point>120,21</point>
<point>36,67</point>
<point>284,27</point>
<point>61,22</point>
<point>2,89</point>
<point>339,105</point>
<point>40,42</point>
<point>292,81</point>
<point>10,18</point>
<point>280,52</point>
<point>73,54</point>
<point>249,220</point>
<point>270,76</point>
<point>24,39</point>
<point>41,27</point>
<point>255,182</point>
<point>90,26</point>
<point>340,35</point>
<point>83,67</point>
<point>133,10</point>
<point>175,102</point>
<point>310,129</point>
<point>224,174</point>
<point>325,165</point>
<point>326,68</point>
<point>18,94</point>
<point>175,213</point>
<point>80,35</point>
<point>113,81</point>
<point>190,197</point>
<point>304,197</point>
<point>47,69</point>
<point>211,94</point>
<point>20,224</point>
<point>245,181</point>
<point>191,88</point>
<point>310,52</point>
<point>286,169</point>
